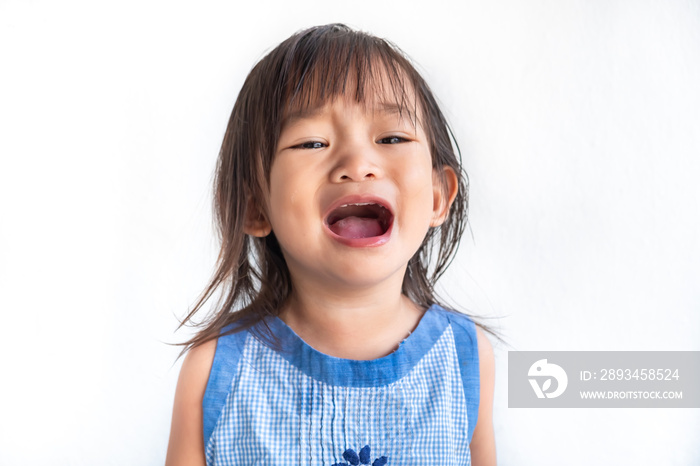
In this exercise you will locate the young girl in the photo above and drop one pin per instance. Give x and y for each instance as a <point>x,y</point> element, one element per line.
<point>339,200</point>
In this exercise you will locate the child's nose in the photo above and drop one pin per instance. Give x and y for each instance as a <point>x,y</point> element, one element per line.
<point>357,163</point>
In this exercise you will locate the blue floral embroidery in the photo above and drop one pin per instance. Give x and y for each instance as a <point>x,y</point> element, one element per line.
<point>354,459</point>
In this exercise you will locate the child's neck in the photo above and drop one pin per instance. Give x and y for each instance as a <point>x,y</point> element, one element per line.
<point>364,327</point>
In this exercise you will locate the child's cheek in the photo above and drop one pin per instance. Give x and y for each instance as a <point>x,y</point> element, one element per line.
<point>418,177</point>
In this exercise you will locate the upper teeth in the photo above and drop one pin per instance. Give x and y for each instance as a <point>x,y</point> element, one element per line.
<point>358,203</point>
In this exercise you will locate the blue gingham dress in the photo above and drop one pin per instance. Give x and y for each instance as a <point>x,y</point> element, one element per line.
<point>296,406</point>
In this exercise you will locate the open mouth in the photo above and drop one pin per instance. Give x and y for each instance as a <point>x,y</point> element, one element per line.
<point>359,220</point>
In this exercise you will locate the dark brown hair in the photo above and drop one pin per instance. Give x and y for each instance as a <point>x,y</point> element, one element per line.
<point>311,67</point>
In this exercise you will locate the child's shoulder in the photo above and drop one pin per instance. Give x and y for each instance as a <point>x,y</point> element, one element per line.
<point>200,359</point>
<point>186,443</point>
<point>202,375</point>
<point>194,373</point>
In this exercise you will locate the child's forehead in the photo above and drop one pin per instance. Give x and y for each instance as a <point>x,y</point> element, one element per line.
<point>382,88</point>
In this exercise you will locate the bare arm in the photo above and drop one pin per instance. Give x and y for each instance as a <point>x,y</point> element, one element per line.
<point>186,446</point>
<point>483,446</point>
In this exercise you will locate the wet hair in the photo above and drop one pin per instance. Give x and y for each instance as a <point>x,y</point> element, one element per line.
<point>313,67</point>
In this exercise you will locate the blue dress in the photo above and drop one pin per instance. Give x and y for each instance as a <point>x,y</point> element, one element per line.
<point>289,404</point>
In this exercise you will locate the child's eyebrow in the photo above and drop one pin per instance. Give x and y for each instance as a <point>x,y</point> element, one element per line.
<point>383,107</point>
<point>394,109</point>
<point>388,107</point>
<point>300,114</point>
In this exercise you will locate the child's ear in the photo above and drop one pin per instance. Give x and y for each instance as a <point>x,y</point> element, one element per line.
<point>444,192</point>
<point>256,223</point>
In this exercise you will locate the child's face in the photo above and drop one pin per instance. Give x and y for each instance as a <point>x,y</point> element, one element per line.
<point>352,194</point>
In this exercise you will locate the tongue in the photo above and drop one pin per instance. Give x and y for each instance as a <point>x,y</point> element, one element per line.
<point>357,227</point>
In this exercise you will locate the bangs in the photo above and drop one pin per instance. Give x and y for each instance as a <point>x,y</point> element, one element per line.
<point>335,62</point>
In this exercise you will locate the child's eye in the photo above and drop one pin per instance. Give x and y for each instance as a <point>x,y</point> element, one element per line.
<point>392,140</point>
<point>310,145</point>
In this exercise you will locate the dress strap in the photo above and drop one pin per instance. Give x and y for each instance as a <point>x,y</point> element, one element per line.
<point>228,351</point>
<point>468,354</point>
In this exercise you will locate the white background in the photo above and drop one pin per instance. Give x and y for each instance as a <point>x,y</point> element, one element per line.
<point>580,128</point>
